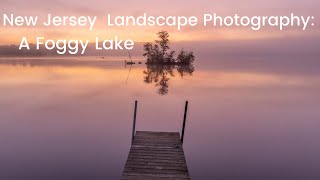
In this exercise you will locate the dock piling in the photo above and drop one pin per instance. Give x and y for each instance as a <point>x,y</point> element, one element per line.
<point>184,120</point>
<point>134,119</point>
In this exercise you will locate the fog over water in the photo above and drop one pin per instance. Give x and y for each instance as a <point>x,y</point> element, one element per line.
<point>251,116</point>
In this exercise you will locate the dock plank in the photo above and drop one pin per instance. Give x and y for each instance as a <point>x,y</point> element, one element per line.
<point>156,155</point>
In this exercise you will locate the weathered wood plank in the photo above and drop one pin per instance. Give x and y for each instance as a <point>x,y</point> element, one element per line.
<point>156,155</point>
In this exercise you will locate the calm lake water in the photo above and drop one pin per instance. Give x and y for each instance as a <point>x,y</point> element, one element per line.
<point>249,118</point>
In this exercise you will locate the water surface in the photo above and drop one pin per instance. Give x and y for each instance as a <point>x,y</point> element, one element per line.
<point>249,117</point>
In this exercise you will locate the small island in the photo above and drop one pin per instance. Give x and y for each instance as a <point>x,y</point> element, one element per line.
<point>162,63</point>
<point>158,53</point>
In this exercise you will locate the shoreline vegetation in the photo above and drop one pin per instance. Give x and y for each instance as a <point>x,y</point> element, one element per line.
<point>157,53</point>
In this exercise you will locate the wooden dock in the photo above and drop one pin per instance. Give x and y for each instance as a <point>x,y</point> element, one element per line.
<point>156,155</point>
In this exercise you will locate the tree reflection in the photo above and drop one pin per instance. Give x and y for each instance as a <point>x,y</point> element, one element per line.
<point>160,75</point>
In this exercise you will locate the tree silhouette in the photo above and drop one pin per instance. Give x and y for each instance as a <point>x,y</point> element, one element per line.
<point>158,53</point>
<point>164,41</point>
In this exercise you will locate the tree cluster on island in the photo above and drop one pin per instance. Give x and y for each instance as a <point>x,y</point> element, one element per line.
<point>158,53</point>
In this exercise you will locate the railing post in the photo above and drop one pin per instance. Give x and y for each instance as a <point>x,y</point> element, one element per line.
<point>134,119</point>
<point>184,121</point>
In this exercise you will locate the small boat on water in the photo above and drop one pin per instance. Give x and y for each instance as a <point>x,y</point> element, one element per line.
<point>129,63</point>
